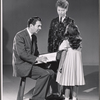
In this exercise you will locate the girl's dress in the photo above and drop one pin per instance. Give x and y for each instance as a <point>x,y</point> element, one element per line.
<point>72,68</point>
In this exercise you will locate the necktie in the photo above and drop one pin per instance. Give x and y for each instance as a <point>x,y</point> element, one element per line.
<point>60,19</point>
<point>32,39</point>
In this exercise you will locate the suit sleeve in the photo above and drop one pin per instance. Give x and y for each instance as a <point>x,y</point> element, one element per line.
<point>24,54</point>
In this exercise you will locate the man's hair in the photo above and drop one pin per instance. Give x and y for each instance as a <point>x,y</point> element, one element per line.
<point>33,20</point>
<point>62,3</point>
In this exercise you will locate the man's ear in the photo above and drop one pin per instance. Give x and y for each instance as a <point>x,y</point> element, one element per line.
<point>31,25</point>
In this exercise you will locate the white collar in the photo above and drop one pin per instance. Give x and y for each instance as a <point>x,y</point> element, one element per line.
<point>29,33</point>
<point>62,18</point>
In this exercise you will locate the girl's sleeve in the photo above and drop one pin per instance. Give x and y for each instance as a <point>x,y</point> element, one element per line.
<point>63,45</point>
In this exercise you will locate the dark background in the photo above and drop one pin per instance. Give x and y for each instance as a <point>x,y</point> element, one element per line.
<point>84,12</point>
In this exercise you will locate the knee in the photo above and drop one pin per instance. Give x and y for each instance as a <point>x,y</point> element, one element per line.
<point>51,73</point>
<point>45,74</point>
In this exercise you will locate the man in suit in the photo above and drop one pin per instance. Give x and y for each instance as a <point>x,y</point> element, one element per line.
<point>25,54</point>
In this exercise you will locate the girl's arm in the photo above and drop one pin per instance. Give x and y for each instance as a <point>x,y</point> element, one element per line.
<point>63,45</point>
<point>63,55</point>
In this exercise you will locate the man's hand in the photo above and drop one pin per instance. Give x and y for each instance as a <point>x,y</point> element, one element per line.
<point>42,59</point>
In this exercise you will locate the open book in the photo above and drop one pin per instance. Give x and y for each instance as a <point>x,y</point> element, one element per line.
<point>50,57</point>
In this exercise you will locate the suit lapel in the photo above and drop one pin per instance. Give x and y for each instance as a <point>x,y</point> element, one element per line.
<point>28,38</point>
<point>29,41</point>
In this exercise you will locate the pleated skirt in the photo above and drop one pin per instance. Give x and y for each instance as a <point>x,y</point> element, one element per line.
<point>72,69</point>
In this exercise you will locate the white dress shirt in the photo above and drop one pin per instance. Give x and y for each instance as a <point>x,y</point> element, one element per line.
<point>29,33</point>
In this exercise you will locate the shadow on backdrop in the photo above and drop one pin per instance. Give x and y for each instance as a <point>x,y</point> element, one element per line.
<point>6,53</point>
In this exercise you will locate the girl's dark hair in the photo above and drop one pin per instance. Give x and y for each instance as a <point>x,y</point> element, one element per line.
<point>72,34</point>
<point>33,20</point>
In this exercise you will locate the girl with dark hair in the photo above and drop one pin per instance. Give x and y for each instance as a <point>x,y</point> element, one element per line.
<point>70,73</point>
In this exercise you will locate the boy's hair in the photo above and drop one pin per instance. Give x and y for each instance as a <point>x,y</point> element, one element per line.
<point>62,3</point>
<point>33,20</point>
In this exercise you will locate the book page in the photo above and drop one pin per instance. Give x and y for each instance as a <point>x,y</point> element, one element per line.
<point>50,56</point>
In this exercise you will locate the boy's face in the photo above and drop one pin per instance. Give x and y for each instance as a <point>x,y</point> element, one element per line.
<point>61,11</point>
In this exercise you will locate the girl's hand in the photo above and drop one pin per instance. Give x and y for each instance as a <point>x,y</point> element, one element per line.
<point>60,70</point>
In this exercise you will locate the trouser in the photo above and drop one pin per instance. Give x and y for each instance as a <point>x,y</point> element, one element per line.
<point>43,77</point>
<point>56,88</point>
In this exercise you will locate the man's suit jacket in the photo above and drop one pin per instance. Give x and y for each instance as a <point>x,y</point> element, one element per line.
<point>24,55</point>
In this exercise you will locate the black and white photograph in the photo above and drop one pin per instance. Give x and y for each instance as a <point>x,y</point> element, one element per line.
<point>50,49</point>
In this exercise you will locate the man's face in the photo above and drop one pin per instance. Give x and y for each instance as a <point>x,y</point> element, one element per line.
<point>37,27</point>
<point>61,11</point>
